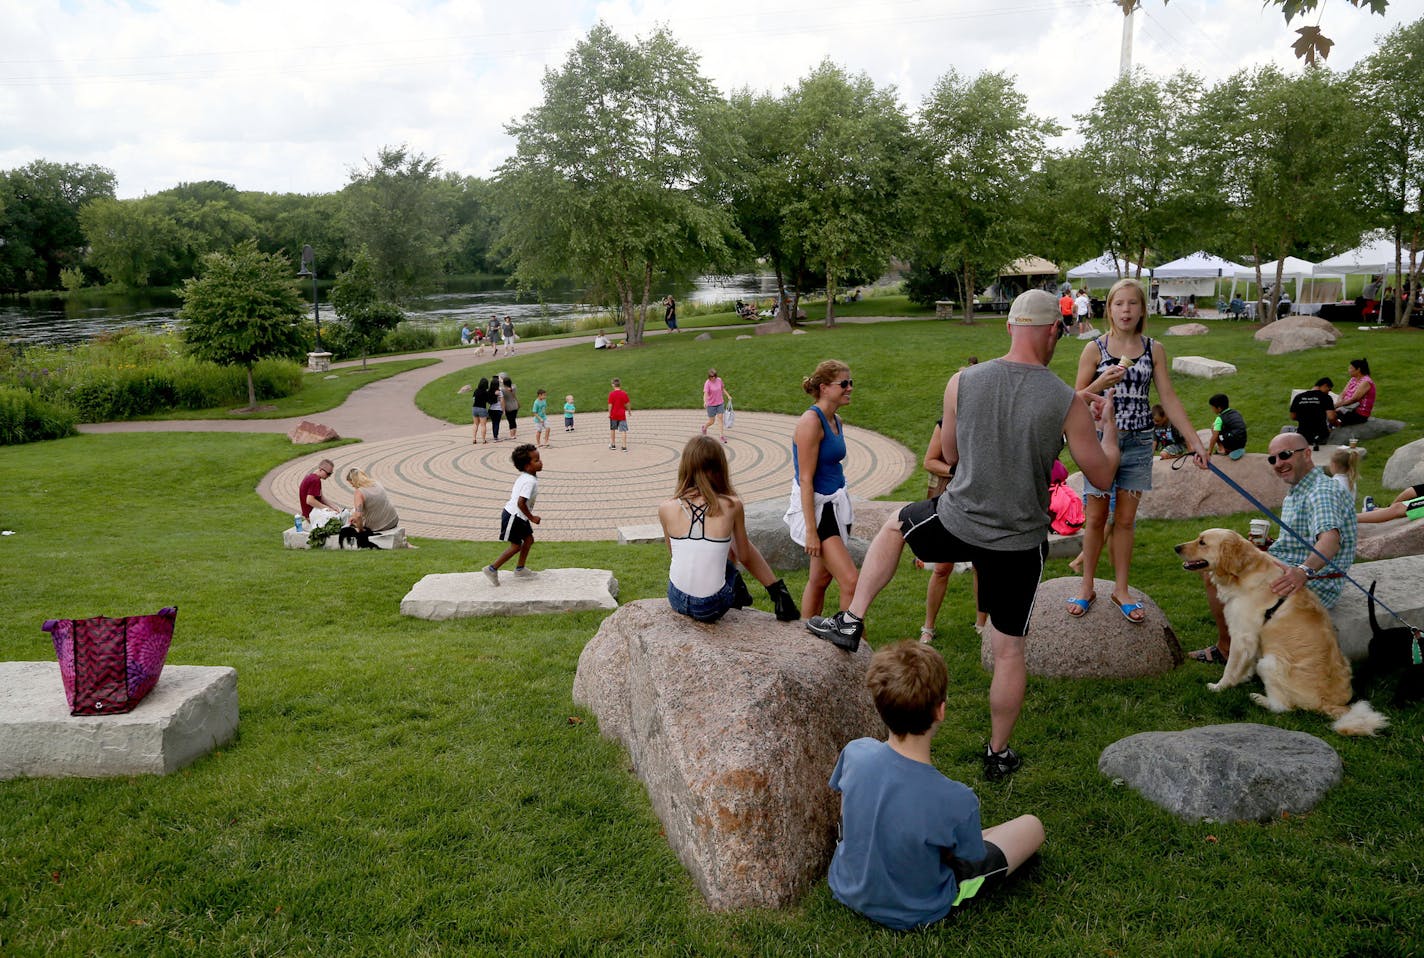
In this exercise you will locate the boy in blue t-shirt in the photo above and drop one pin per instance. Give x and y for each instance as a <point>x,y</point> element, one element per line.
<point>910,848</point>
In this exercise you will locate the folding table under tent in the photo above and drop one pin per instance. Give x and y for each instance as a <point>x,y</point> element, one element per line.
<point>1194,275</point>
<point>1295,271</point>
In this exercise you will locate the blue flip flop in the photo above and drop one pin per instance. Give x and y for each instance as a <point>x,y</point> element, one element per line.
<point>1130,607</point>
<point>1081,605</point>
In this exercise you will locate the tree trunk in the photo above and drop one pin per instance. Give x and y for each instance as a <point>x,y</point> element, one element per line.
<point>780,285</point>
<point>647,293</point>
<point>1401,314</point>
<point>251,390</point>
<point>830,298</point>
<point>968,295</point>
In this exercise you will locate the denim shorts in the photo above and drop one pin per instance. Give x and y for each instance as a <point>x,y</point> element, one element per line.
<point>1135,470</point>
<point>617,425</point>
<point>714,411</point>
<point>703,608</point>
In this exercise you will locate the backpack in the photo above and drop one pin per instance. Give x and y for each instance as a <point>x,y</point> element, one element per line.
<point>1066,508</point>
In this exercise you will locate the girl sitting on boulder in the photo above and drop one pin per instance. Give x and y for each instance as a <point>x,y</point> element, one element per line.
<point>704,526</point>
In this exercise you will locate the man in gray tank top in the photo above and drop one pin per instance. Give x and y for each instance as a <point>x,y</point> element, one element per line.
<point>1004,425</point>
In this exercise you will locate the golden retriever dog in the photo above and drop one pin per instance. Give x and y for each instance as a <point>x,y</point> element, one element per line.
<point>1290,644</point>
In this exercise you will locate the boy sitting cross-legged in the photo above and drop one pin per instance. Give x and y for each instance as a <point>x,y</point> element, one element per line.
<point>911,848</point>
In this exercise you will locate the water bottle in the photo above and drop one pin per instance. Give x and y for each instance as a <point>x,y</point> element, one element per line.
<point>297,521</point>
<point>1369,503</point>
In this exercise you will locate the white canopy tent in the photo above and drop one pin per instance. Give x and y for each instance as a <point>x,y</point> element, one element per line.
<point>1103,271</point>
<point>1374,256</point>
<point>1294,271</point>
<point>1194,275</point>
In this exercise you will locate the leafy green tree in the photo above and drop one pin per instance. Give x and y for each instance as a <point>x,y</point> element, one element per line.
<point>1278,192</point>
<point>1135,143</point>
<point>356,297</point>
<point>242,308</point>
<point>1392,80</point>
<point>979,150</point>
<point>40,205</point>
<point>612,181</point>
<point>129,241</point>
<point>391,208</point>
<point>845,175</point>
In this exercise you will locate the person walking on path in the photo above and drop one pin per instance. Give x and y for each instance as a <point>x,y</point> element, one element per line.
<point>819,515</point>
<point>509,337</point>
<point>618,403</point>
<point>509,397</point>
<point>496,404</point>
<point>1010,416</point>
<point>479,411</point>
<point>714,400</point>
<point>670,313</point>
<point>1130,363</point>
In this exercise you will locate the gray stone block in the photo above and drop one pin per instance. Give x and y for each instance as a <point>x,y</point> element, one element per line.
<point>1371,428</point>
<point>191,711</point>
<point>769,534</point>
<point>1200,367</point>
<point>1405,466</point>
<point>1229,773</point>
<point>640,535</point>
<point>460,595</point>
<point>393,539</point>
<point>1400,586</point>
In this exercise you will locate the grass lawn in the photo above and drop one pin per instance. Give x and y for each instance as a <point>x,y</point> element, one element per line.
<point>406,787</point>
<point>318,394</point>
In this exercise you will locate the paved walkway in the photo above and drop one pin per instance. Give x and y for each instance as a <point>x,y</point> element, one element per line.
<point>447,488</point>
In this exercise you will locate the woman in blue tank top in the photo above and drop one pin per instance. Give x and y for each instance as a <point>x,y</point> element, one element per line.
<point>1130,364</point>
<point>819,514</point>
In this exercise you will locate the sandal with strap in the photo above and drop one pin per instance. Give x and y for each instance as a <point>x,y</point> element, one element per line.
<point>1128,608</point>
<point>1078,608</point>
<point>927,635</point>
<point>1211,655</point>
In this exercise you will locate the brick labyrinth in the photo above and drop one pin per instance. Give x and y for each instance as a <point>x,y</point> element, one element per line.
<point>446,488</point>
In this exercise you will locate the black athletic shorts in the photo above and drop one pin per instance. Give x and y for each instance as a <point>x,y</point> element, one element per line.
<point>993,870</point>
<point>514,528</point>
<point>826,525</point>
<point>1008,581</point>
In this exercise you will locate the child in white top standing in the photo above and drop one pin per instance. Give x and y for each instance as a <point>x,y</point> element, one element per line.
<point>517,522</point>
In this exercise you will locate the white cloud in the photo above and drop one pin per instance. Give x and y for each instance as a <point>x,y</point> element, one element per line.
<point>282,96</point>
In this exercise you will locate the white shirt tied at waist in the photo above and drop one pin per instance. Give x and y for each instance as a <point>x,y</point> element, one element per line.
<point>795,518</point>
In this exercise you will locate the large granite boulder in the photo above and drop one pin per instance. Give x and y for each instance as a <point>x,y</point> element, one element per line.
<point>1187,329</point>
<point>1189,493</point>
<point>734,727</point>
<point>769,534</point>
<point>1099,645</point>
<point>307,432</point>
<point>1284,327</point>
<point>1229,773</point>
<point>1371,428</point>
<point>1390,540</point>
<point>1405,466</point>
<point>1296,339</point>
<point>773,326</point>
<point>1199,367</point>
<point>1400,586</point>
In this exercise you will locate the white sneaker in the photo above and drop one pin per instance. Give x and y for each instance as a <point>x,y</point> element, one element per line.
<point>492,574</point>
<point>520,572</point>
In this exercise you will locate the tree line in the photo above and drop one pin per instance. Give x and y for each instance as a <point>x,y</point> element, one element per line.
<point>633,168</point>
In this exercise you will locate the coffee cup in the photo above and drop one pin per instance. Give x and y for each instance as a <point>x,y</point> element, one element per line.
<point>1260,529</point>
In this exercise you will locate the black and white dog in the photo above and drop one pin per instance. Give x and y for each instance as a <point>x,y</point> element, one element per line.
<point>358,539</point>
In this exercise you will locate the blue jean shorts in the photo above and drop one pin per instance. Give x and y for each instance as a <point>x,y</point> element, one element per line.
<point>714,411</point>
<point>1135,470</point>
<point>703,608</point>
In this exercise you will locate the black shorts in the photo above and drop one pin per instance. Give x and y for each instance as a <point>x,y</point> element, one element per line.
<point>514,528</point>
<point>993,870</point>
<point>1008,581</point>
<point>826,525</point>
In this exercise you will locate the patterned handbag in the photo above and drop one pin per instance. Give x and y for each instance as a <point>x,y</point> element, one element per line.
<point>109,665</point>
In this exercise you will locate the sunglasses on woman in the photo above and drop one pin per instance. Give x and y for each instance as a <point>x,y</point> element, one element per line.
<point>1285,455</point>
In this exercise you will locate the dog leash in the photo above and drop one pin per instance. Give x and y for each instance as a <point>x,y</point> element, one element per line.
<point>1337,573</point>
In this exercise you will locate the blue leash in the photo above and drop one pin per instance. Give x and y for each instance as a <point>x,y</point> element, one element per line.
<point>1262,507</point>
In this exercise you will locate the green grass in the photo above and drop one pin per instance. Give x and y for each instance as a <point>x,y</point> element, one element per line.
<point>409,787</point>
<point>318,393</point>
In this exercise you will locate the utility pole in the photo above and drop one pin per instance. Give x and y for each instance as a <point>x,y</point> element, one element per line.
<point>1129,7</point>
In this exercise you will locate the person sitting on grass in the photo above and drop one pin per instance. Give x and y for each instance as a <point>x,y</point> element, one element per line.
<point>1228,433</point>
<point>704,526</point>
<point>517,522</point>
<point>911,849</point>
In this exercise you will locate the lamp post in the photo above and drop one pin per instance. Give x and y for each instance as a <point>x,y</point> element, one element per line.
<point>309,269</point>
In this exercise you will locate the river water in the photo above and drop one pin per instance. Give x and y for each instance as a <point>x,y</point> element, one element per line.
<point>67,321</point>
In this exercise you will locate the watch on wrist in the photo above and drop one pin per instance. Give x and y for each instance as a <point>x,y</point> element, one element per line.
<point>1304,568</point>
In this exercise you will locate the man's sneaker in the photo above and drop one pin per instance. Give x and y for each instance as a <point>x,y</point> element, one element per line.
<point>842,629</point>
<point>999,765</point>
<point>492,574</point>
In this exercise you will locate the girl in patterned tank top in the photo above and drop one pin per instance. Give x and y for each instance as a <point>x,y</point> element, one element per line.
<point>1126,360</point>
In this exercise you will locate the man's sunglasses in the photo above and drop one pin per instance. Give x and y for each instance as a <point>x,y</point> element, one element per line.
<point>1285,455</point>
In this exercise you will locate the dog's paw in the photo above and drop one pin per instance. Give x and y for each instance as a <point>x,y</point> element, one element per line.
<point>1261,700</point>
<point>1214,686</point>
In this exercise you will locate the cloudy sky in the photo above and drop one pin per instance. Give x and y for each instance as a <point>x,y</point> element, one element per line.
<point>280,96</point>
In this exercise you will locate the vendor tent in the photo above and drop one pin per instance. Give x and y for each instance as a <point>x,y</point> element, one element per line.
<point>1103,271</point>
<point>1295,271</point>
<point>1195,275</point>
<point>1375,255</point>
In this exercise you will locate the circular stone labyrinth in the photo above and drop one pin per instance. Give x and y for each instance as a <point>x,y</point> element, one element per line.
<point>446,488</point>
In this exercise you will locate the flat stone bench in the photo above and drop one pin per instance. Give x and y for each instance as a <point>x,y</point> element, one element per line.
<point>1401,587</point>
<point>1199,367</point>
<point>191,711</point>
<point>462,595</point>
<point>392,539</point>
<point>640,535</point>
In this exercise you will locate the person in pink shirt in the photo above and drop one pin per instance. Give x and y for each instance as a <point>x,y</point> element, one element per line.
<point>714,399</point>
<point>1357,400</point>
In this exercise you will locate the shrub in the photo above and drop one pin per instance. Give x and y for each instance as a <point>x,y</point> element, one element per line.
<point>25,417</point>
<point>406,338</point>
